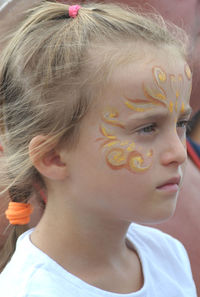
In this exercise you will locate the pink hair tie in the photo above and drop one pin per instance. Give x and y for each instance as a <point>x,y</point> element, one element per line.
<point>73,10</point>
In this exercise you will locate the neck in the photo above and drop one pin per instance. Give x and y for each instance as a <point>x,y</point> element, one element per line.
<point>80,235</point>
<point>89,245</point>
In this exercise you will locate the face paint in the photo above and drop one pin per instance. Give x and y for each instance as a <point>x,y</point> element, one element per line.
<point>118,158</point>
<point>188,72</point>
<point>182,107</point>
<point>110,117</point>
<point>158,94</point>
<point>159,75</point>
<point>154,98</point>
<point>176,84</point>
<point>106,134</point>
<point>121,154</point>
<point>171,105</point>
<point>136,162</point>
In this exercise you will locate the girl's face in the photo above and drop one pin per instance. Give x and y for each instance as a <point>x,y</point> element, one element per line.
<point>130,160</point>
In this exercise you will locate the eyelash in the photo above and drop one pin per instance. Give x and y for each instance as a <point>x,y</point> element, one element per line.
<point>151,128</point>
<point>183,124</point>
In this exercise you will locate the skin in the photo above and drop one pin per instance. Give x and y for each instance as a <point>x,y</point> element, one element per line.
<point>87,202</point>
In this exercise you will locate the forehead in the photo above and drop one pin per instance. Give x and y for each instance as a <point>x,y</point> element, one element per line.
<point>140,70</point>
<point>159,77</point>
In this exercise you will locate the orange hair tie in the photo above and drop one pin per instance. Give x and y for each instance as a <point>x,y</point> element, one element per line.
<point>19,213</point>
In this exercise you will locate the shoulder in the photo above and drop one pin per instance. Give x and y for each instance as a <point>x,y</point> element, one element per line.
<point>20,268</point>
<point>154,237</point>
<point>164,260</point>
<point>34,274</point>
<point>155,242</point>
<point>48,283</point>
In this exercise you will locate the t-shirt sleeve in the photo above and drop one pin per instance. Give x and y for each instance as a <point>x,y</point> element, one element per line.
<point>164,255</point>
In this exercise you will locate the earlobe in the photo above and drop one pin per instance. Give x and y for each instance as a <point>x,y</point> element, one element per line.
<point>46,159</point>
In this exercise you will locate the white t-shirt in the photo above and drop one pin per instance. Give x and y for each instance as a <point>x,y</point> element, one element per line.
<point>166,269</point>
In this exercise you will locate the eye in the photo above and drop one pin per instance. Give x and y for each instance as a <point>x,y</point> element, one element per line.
<point>182,127</point>
<point>182,124</point>
<point>148,129</point>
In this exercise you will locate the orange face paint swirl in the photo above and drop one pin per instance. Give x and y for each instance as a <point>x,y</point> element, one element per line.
<point>121,153</point>
<point>158,94</point>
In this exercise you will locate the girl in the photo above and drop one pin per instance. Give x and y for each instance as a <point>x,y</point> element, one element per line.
<point>95,102</point>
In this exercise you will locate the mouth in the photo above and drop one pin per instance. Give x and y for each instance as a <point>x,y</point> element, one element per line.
<point>171,185</point>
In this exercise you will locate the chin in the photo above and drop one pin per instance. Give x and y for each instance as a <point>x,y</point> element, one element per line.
<point>161,216</point>
<point>159,221</point>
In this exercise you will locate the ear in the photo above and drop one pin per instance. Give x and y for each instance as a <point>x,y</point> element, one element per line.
<point>47,159</point>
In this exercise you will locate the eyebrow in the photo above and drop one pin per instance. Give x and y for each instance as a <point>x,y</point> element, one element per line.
<point>153,115</point>
<point>186,112</point>
<point>148,115</point>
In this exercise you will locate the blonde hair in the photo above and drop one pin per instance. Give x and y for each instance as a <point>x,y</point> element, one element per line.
<point>48,78</point>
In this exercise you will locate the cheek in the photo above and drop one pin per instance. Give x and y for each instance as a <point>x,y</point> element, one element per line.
<point>134,161</point>
<point>124,154</point>
<point>182,136</point>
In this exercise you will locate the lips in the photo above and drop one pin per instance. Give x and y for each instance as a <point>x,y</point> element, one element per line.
<point>171,184</point>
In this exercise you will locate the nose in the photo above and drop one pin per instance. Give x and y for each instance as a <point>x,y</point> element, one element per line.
<point>174,150</point>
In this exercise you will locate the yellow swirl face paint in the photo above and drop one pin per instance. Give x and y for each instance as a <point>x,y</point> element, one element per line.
<point>171,106</point>
<point>118,158</point>
<point>106,133</point>
<point>121,153</point>
<point>167,90</point>
<point>159,75</point>
<point>136,162</point>
<point>182,107</point>
<point>154,97</point>
<point>188,72</point>
<point>111,117</point>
